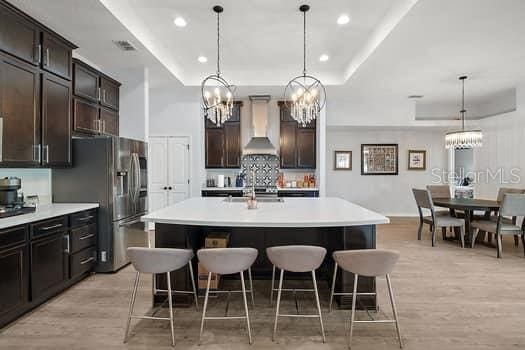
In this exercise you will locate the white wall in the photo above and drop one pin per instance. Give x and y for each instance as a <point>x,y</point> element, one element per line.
<point>34,182</point>
<point>387,194</point>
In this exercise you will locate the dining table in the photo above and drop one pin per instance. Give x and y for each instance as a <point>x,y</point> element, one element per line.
<point>468,206</point>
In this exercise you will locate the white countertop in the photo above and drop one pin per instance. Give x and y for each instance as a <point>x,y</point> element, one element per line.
<point>293,212</point>
<point>46,211</point>
<point>242,188</point>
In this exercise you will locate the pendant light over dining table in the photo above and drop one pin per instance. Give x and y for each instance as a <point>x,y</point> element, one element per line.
<point>305,94</point>
<point>463,139</point>
<point>217,93</point>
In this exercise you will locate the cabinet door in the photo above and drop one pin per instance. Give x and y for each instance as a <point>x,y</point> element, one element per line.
<point>56,121</point>
<point>48,265</point>
<point>85,116</point>
<point>288,145</point>
<point>109,120</point>
<point>85,83</point>
<point>13,281</point>
<point>214,145</point>
<point>284,113</point>
<point>19,37</point>
<point>109,93</point>
<point>19,113</point>
<point>56,56</point>
<point>306,148</point>
<point>158,173</point>
<point>178,169</point>
<point>232,138</point>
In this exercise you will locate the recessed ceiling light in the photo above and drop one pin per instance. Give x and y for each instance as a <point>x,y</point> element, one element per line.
<point>202,59</point>
<point>323,58</point>
<point>343,19</point>
<point>180,22</point>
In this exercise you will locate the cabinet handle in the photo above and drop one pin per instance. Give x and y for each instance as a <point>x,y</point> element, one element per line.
<point>87,260</point>
<point>46,154</point>
<point>37,53</point>
<point>46,57</point>
<point>86,236</point>
<point>98,94</point>
<point>103,126</point>
<point>86,218</point>
<point>47,228</point>
<point>37,154</point>
<point>104,95</point>
<point>67,250</point>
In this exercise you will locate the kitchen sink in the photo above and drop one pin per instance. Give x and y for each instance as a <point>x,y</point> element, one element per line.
<point>261,200</point>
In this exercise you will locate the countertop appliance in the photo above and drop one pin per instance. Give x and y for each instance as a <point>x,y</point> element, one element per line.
<point>11,203</point>
<point>111,171</point>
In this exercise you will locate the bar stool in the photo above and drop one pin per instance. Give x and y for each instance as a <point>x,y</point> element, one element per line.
<point>371,263</point>
<point>227,261</point>
<point>296,258</point>
<point>156,261</point>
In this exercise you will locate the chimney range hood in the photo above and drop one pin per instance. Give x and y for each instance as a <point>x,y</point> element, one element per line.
<point>259,143</point>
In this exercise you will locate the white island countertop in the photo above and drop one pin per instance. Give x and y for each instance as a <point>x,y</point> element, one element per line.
<point>46,211</point>
<point>293,212</point>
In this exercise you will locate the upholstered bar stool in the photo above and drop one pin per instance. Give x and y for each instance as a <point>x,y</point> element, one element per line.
<point>227,261</point>
<point>370,263</point>
<point>296,258</point>
<point>156,261</point>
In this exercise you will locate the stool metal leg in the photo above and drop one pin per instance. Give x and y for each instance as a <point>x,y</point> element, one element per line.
<point>246,307</point>
<point>333,289</point>
<point>352,318</point>
<point>278,304</point>
<point>394,310</point>
<point>251,285</point>
<point>193,285</point>
<point>273,286</point>
<point>132,304</point>
<point>318,305</point>
<point>170,302</point>
<point>205,306</point>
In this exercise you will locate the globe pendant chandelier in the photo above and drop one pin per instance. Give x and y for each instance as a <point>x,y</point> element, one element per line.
<point>463,139</point>
<point>217,93</point>
<point>305,94</point>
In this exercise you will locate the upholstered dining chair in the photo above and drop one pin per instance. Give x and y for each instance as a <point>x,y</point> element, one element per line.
<point>424,201</point>
<point>513,205</point>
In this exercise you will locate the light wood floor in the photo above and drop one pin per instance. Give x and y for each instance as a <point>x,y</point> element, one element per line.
<point>448,298</point>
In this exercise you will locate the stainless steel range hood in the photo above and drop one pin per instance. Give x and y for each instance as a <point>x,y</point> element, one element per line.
<point>259,143</point>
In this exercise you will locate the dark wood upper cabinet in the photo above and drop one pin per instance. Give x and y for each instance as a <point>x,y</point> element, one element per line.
<point>18,36</point>
<point>109,122</point>
<point>56,121</point>
<point>214,148</point>
<point>306,148</point>
<point>85,82</point>
<point>232,139</point>
<point>284,112</point>
<point>56,56</point>
<point>288,143</point>
<point>85,116</point>
<point>109,91</point>
<point>19,113</point>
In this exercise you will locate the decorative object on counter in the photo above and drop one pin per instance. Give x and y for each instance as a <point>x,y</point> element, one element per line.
<point>218,104</point>
<point>463,138</point>
<point>220,180</point>
<point>417,160</point>
<point>307,93</point>
<point>342,160</point>
<point>32,201</point>
<point>265,166</point>
<point>210,182</point>
<point>379,159</point>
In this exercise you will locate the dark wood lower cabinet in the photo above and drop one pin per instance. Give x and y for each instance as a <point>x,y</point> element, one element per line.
<point>14,281</point>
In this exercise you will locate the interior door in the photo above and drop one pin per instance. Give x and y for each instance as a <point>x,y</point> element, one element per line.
<point>158,174</point>
<point>178,169</point>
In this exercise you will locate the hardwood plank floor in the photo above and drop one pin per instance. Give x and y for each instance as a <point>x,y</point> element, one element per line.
<point>448,298</point>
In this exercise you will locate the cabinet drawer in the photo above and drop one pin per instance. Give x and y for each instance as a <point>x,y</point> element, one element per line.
<point>83,218</point>
<point>46,227</point>
<point>13,236</point>
<point>83,237</point>
<point>82,262</point>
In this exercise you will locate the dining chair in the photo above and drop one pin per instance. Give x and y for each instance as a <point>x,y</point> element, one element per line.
<point>424,201</point>
<point>443,191</point>
<point>513,205</point>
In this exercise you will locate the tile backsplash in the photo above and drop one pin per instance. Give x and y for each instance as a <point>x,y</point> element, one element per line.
<point>34,182</point>
<point>266,169</point>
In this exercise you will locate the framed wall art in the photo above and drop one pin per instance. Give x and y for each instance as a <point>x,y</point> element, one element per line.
<point>342,160</point>
<point>417,160</point>
<point>379,159</point>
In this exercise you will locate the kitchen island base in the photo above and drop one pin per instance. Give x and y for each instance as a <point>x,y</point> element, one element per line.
<point>332,238</point>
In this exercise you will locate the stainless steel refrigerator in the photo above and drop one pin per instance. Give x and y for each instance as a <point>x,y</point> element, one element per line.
<point>111,171</point>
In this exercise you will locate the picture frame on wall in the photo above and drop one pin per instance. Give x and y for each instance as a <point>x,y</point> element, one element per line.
<point>379,159</point>
<point>342,160</point>
<point>417,159</point>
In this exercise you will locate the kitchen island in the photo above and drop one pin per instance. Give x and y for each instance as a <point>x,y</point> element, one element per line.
<point>333,223</point>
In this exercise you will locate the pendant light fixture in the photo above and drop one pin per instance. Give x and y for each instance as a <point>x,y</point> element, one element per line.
<point>463,138</point>
<point>217,93</point>
<point>305,93</point>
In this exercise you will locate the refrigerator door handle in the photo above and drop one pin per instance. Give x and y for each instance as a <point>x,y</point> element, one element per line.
<point>137,169</point>
<point>131,184</point>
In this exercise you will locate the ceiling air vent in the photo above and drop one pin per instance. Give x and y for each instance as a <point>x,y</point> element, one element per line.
<point>124,45</point>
